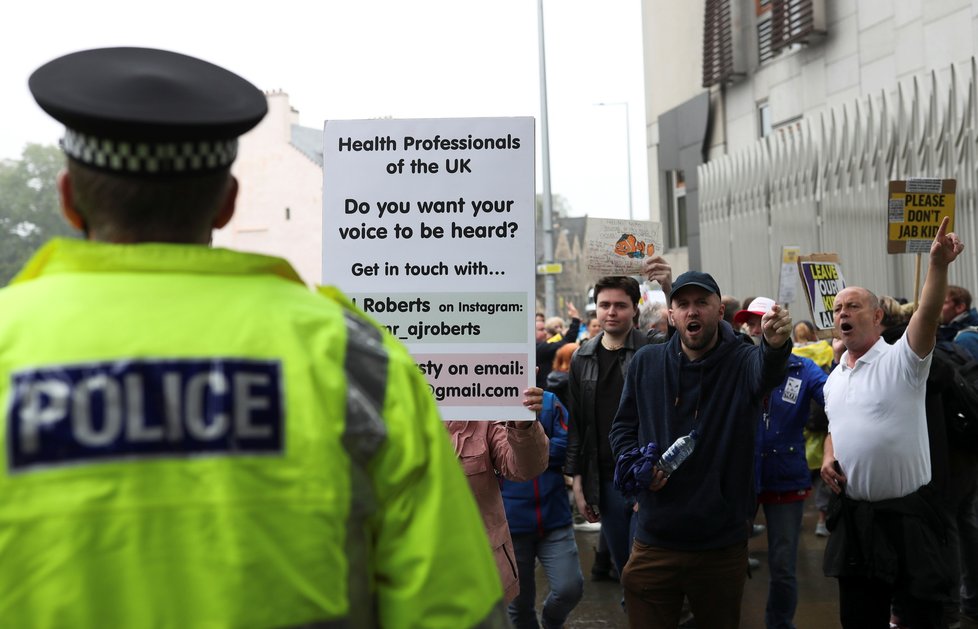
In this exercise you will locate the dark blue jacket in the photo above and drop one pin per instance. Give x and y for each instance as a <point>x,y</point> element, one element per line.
<point>949,331</point>
<point>541,504</point>
<point>968,339</point>
<point>962,332</point>
<point>780,451</point>
<point>708,500</point>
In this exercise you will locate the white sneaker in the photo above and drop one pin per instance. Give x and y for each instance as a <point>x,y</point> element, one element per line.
<point>821,530</point>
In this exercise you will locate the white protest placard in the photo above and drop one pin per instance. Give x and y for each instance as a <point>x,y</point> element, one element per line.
<point>788,282</point>
<point>428,226</point>
<point>618,246</point>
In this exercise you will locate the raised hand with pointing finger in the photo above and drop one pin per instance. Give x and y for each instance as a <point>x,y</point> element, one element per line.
<point>946,246</point>
<point>776,326</point>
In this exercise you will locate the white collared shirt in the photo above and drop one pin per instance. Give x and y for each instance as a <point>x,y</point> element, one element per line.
<point>878,422</point>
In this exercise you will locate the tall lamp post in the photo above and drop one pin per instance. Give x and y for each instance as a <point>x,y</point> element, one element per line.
<point>549,281</point>
<point>628,151</point>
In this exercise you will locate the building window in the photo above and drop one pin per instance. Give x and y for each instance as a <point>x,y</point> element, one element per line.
<point>764,119</point>
<point>676,197</point>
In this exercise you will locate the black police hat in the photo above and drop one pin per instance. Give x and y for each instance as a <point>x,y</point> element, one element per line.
<point>694,278</point>
<point>147,112</point>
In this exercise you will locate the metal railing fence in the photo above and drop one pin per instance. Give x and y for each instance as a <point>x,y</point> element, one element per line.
<point>822,185</point>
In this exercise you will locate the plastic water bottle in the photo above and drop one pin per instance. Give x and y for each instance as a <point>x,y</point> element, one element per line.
<point>677,453</point>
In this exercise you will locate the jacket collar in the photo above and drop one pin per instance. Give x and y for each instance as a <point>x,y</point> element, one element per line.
<point>867,358</point>
<point>965,319</point>
<point>633,341</point>
<point>794,362</point>
<point>63,255</point>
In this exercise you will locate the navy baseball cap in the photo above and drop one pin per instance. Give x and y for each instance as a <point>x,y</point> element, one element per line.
<point>147,112</point>
<point>694,278</point>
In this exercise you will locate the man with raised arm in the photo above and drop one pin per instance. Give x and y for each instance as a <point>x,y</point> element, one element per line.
<point>888,536</point>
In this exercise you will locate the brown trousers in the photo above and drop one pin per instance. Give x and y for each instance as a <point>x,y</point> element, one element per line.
<point>656,580</point>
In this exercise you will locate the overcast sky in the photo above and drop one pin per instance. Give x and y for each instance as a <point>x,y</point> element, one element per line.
<point>347,59</point>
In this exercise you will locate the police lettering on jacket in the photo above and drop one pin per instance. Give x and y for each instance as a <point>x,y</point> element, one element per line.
<point>143,408</point>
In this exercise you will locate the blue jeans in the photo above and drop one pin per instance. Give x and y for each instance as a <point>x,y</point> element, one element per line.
<point>783,530</point>
<point>557,552</point>
<point>616,524</point>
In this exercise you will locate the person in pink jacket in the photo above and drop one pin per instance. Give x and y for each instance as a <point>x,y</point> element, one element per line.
<point>517,451</point>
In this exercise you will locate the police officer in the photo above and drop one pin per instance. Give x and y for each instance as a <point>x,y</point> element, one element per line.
<point>193,438</point>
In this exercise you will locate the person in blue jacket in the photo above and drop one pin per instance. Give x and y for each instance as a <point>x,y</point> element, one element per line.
<point>959,321</point>
<point>539,516</point>
<point>781,476</point>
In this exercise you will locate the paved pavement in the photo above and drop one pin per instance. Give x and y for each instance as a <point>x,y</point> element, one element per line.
<point>818,606</point>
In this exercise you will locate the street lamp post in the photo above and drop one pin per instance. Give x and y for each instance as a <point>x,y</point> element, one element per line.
<point>628,151</point>
<point>549,280</point>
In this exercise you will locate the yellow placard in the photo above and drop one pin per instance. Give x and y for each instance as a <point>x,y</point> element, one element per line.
<point>915,210</point>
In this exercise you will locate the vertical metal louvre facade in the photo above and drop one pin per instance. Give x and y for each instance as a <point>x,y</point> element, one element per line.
<point>718,56</point>
<point>792,21</point>
<point>823,186</point>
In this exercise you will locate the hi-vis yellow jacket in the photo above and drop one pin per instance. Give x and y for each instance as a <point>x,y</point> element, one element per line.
<point>192,438</point>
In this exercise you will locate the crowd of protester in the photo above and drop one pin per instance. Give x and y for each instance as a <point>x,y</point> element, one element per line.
<point>754,392</point>
<point>672,426</point>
